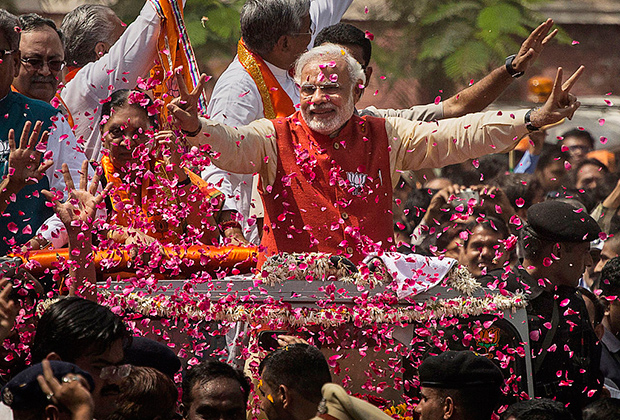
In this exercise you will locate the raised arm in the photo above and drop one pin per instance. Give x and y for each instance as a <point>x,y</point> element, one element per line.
<point>244,150</point>
<point>25,165</point>
<point>418,145</point>
<point>478,96</point>
<point>78,215</point>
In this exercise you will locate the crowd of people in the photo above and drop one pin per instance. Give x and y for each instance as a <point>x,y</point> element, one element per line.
<point>282,159</point>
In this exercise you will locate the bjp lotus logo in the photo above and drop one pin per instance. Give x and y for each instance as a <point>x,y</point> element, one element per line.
<point>489,339</point>
<point>357,181</point>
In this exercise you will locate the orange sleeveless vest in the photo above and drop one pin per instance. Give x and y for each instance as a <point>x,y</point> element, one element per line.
<point>330,194</point>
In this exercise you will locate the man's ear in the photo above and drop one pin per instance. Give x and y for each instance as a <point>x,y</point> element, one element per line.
<point>101,48</point>
<point>52,412</point>
<point>281,45</point>
<point>284,395</point>
<point>599,331</point>
<point>53,356</point>
<point>17,61</point>
<point>448,407</point>
<point>368,72</point>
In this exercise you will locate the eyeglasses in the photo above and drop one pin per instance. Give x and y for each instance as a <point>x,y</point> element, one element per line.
<point>115,372</point>
<point>37,63</point>
<point>579,148</point>
<point>310,33</point>
<point>5,52</point>
<point>308,89</point>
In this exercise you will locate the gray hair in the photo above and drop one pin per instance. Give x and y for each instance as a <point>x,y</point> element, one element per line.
<point>84,27</point>
<point>10,29</point>
<point>326,52</point>
<point>263,22</point>
<point>32,22</point>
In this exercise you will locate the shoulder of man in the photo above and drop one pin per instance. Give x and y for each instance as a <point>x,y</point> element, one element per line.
<point>35,106</point>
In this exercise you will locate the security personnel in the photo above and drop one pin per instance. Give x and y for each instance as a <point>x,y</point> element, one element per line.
<point>565,350</point>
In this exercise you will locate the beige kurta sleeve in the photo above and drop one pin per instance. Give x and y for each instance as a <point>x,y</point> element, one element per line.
<point>417,145</point>
<point>245,150</point>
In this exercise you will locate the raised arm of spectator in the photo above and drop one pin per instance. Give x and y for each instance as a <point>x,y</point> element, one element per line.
<point>78,215</point>
<point>25,166</point>
<point>478,96</point>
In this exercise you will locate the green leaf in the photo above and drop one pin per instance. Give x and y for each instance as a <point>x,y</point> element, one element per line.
<point>445,42</point>
<point>446,11</point>
<point>500,19</point>
<point>468,61</point>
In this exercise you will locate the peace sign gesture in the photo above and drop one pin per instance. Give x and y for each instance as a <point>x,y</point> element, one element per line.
<point>185,107</point>
<point>560,104</point>
<point>81,206</point>
<point>25,166</point>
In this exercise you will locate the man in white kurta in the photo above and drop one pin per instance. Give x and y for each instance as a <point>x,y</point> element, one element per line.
<point>132,56</point>
<point>236,101</point>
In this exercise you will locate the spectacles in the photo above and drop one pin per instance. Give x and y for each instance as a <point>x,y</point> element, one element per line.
<point>37,63</point>
<point>575,148</point>
<point>116,372</point>
<point>308,89</point>
<point>310,32</point>
<point>5,52</point>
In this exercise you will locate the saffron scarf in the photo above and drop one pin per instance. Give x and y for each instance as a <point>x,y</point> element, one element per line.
<point>276,102</point>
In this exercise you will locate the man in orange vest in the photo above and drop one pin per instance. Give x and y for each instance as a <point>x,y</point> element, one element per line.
<point>327,174</point>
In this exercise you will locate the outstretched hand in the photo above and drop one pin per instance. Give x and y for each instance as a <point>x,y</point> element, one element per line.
<point>25,166</point>
<point>185,107</point>
<point>533,46</point>
<point>82,203</point>
<point>560,104</point>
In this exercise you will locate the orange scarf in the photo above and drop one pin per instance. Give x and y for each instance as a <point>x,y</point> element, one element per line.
<point>129,213</point>
<point>276,101</point>
<point>175,52</point>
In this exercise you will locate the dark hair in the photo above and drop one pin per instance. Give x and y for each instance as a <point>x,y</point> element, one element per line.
<point>10,29</point>
<point>346,34</point>
<point>580,134</point>
<point>610,278</point>
<point>145,394</point>
<point>549,155</point>
<point>599,306</point>
<point>533,246</point>
<point>538,409</point>
<point>31,22</point>
<point>603,409</point>
<point>298,366</point>
<point>416,204</point>
<point>84,27</point>
<point>121,97</point>
<point>489,167</point>
<point>73,327</point>
<point>517,186</point>
<point>476,402</point>
<point>491,223</point>
<point>209,370</point>
<point>263,22</point>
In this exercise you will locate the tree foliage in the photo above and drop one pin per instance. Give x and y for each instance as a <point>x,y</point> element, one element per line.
<point>455,41</point>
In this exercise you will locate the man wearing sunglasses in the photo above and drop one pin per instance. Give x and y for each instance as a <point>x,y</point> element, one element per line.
<point>42,58</point>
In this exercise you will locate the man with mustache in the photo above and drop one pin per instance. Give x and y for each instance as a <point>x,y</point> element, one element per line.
<point>42,60</point>
<point>304,160</point>
<point>89,335</point>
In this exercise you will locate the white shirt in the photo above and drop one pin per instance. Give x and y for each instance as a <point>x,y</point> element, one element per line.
<point>236,101</point>
<point>131,57</point>
<point>64,147</point>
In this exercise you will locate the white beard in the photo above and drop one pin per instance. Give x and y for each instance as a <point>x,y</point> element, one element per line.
<point>328,126</point>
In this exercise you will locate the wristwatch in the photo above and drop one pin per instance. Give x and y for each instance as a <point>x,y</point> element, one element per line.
<point>528,123</point>
<point>509,68</point>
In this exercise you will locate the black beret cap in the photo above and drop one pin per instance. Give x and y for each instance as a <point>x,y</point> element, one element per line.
<point>23,392</point>
<point>459,369</point>
<point>557,221</point>
<point>150,353</point>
